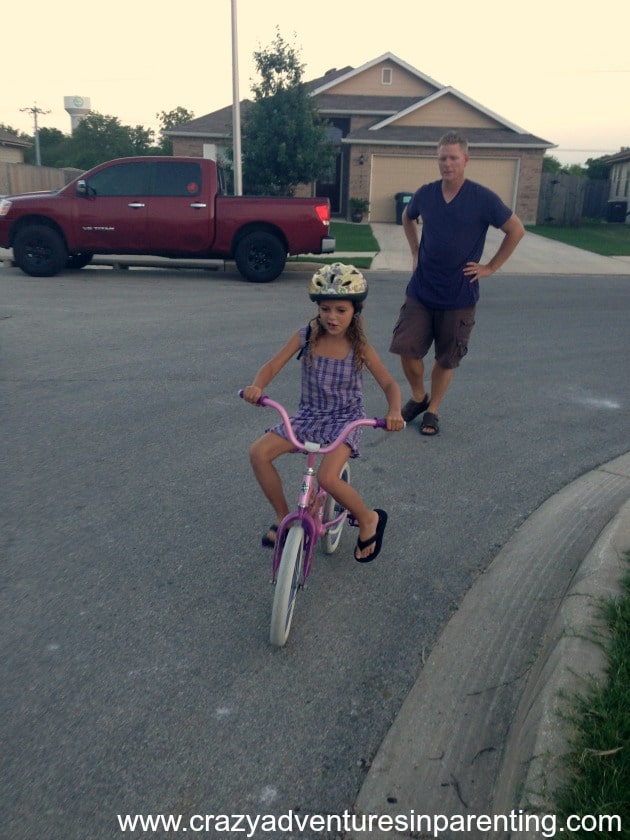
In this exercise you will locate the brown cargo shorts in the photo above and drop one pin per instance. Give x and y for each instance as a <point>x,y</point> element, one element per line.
<point>418,328</point>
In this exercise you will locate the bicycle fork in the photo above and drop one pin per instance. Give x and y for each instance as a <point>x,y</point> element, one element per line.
<point>305,515</point>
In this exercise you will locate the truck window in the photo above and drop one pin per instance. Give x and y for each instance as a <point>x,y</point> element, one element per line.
<point>222,184</point>
<point>176,178</point>
<point>121,179</point>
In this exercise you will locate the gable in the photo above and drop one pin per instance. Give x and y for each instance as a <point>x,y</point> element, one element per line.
<point>447,110</point>
<point>385,78</point>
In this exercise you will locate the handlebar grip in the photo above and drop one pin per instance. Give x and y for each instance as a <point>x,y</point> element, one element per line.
<point>262,400</point>
<point>381,423</point>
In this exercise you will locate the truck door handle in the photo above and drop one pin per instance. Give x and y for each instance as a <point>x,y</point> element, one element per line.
<point>198,205</point>
<point>135,204</point>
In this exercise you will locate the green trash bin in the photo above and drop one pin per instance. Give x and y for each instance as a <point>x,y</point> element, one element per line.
<point>402,200</point>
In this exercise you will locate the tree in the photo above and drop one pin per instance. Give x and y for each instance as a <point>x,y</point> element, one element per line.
<point>142,140</point>
<point>284,140</point>
<point>53,147</point>
<point>594,169</point>
<point>598,169</point>
<point>551,164</point>
<point>98,138</point>
<point>169,119</point>
<point>10,130</point>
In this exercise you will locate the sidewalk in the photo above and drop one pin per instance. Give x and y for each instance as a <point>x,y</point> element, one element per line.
<point>534,255</point>
<point>479,733</point>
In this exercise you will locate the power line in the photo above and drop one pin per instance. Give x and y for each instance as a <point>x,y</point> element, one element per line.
<point>35,111</point>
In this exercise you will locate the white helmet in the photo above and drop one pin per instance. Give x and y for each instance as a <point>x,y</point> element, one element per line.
<point>338,282</point>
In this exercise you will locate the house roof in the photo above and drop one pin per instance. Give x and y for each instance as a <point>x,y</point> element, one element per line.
<point>619,157</point>
<point>428,135</point>
<point>9,139</point>
<point>385,110</point>
<point>379,106</point>
<point>216,124</point>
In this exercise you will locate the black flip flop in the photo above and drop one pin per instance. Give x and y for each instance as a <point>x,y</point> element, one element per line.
<point>412,409</point>
<point>377,538</point>
<point>429,421</point>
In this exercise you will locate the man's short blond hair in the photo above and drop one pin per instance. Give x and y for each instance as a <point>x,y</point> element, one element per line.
<point>454,138</point>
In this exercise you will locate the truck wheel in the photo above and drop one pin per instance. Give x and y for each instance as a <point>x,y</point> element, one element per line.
<point>40,251</point>
<point>79,260</point>
<point>260,257</point>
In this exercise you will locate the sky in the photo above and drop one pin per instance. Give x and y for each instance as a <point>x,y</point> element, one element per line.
<point>556,69</point>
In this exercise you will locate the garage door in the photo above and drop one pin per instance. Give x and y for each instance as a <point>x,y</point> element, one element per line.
<point>391,175</point>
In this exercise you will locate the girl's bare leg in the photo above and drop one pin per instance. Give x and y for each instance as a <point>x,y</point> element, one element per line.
<point>262,454</point>
<point>346,495</point>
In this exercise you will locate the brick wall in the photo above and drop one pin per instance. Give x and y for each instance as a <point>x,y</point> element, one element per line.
<point>188,147</point>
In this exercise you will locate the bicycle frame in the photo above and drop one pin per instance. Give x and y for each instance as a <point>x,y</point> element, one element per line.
<point>311,497</point>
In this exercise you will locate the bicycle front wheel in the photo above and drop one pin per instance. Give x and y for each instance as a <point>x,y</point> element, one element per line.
<point>287,584</point>
<point>332,510</point>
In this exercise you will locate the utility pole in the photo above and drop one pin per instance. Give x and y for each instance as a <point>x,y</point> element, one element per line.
<point>34,110</point>
<point>236,109</point>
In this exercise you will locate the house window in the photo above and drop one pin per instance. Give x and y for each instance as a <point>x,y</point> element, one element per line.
<point>386,76</point>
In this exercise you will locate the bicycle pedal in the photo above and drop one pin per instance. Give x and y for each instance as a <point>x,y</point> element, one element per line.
<point>352,521</point>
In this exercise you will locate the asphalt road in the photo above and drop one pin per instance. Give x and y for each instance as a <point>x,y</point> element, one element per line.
<point>136,675</point>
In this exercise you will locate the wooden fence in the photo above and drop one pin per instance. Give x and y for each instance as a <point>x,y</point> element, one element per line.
<point>23,177</point>
<point>566,199</point>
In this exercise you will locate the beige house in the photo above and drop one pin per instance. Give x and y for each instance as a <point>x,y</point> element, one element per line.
<point>12,148</point>
<point>386,117</point>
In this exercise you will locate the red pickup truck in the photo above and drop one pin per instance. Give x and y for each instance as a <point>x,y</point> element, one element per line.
<point>160,206</point>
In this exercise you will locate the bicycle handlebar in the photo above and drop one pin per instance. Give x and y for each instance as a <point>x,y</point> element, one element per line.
<point>375,422</point>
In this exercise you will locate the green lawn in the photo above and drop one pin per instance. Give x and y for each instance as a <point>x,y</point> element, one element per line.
<point>598,762</point>
<point>609,240</point>
<point>353,237</point>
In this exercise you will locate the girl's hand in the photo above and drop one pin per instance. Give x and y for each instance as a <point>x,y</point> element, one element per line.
<point>395,422</point>
<point>252,394</point>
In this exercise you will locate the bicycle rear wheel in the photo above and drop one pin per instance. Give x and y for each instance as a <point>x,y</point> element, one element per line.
<point>287,584</point>
<point>332,510</point>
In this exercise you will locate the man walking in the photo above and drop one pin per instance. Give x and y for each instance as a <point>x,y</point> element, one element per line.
<point>442,294</point>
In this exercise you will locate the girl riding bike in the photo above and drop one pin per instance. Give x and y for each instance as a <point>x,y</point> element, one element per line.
<point>333,351</point>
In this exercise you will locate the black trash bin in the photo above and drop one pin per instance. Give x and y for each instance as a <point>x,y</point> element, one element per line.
<point>616,211</point>
<point>402,200</point>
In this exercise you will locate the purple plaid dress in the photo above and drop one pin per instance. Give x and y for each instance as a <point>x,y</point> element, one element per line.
<point>332,396</point>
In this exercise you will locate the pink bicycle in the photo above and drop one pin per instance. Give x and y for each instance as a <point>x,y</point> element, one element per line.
<point>318,517</point>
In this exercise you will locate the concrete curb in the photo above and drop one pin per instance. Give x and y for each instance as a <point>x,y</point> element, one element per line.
<point>572,654</point>
<point>458,745</point>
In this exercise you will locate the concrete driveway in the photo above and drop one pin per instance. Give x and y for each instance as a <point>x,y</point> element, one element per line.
<point>534,255</point>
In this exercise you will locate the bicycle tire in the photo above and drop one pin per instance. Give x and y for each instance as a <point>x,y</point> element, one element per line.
<point>332,509</point>
<point>288,581</point>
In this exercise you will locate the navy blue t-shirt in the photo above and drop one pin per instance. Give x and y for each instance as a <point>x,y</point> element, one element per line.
<point>453,234</point>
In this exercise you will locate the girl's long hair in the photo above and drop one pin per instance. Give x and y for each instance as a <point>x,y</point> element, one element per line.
<point>355,333</point>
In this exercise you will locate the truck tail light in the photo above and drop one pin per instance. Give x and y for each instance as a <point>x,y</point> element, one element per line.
<point>5,206</point>
<point>323,211</point>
